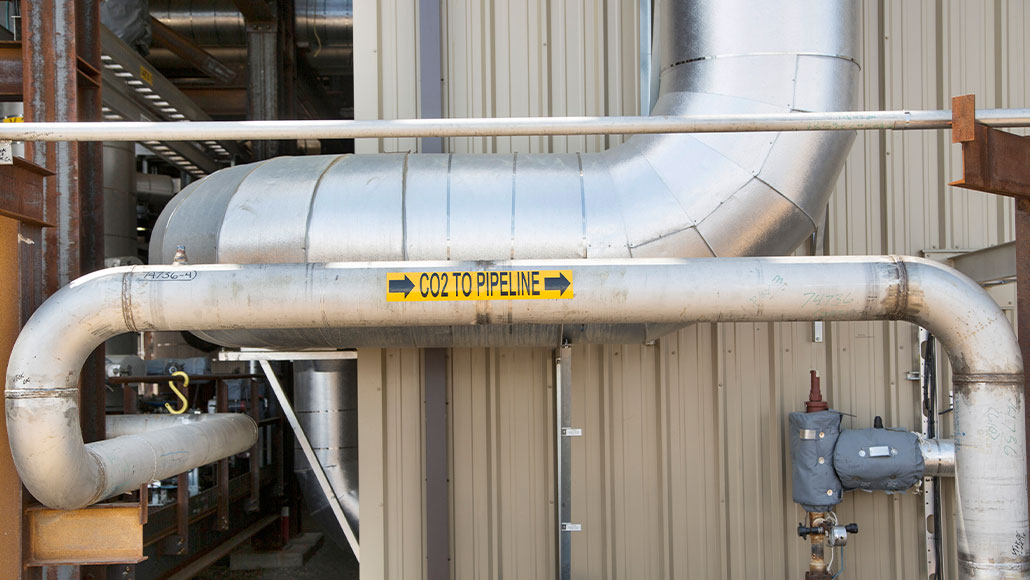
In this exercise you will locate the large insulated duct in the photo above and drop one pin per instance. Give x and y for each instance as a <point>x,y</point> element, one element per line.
<point>323,27</point>
<point>42,414</point>
<point>656,195</point>
<point>325,398</point>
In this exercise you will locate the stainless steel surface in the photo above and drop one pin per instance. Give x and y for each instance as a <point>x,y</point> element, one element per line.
<point>939,457</point>
<point>325,394</point>
<point>563,461</point>
<point>654,196</point>
<point>323,28</point>
<point>309,453</point>
<point>988,372</point>
<point>121,425</point>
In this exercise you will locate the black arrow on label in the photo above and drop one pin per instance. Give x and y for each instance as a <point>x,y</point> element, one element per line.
<point>405,286</point>
<point>560,284</point>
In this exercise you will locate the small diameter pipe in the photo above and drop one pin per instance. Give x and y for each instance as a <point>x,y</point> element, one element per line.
<point>42,413</point>
<point>511,126</point>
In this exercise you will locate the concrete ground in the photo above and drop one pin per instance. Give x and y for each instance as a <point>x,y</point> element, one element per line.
<point>330,561</point>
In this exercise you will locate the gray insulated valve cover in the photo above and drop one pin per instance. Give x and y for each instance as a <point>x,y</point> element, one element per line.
<point>813,437</point>
<point>881,459</point>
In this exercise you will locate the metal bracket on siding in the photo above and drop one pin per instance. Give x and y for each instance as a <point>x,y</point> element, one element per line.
<point>562,459</point>
<point>931,500</point>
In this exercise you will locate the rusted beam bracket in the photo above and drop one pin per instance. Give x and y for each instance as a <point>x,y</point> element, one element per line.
<point>998,162</point>
<point>21,191</point>
<point>99,534</point>
<point>993,161</point>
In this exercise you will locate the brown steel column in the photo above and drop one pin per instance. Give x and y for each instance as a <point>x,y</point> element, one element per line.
<point>91,199</point>
<point>61,82</point>
<point>998,162</point>
<point>1023,288</point>
<point>10,485</point>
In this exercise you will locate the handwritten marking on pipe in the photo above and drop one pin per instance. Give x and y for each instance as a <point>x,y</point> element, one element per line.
<point>479,285</point>
<point>170,276</point>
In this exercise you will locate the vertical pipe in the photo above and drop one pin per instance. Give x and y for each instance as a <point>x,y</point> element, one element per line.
<point>990,456</point>
<point>817,562</point>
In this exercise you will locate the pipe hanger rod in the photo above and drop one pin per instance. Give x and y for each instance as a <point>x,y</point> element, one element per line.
<point>511,126</point>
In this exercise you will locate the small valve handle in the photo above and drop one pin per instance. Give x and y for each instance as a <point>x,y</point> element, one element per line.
<point>851,528</point>
<point>804,530</point>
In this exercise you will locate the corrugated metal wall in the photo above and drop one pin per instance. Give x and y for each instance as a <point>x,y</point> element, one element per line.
<point>682,470</point>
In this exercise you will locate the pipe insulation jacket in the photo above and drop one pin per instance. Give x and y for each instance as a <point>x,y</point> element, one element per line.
<point>656,195</point>
<point>662,195</point>
<point>62,472</point>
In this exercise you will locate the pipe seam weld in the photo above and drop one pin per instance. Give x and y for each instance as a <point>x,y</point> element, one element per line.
<point>767,53</point>
<point>101,483</point>
<point>994,566</point>
<point>897,293</point>
<point>1014,379</point>
<point>41,393</point>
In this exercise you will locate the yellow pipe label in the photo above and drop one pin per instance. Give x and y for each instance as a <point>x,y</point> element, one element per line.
<point>479,285</point>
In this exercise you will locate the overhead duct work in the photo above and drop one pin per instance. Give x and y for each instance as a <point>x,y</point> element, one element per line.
<point>42,412</point>
<point>656,195</point>
<point>322,26</point>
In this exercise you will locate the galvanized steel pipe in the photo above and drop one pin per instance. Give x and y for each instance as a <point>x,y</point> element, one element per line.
<point>503,126</point>
<point>42,415</point>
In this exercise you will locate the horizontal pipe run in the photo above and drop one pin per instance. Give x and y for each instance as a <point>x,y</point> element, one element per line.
<point>161,379</point>
<point>135,424</point>
<point>42,413</point>
<point>938,457</point>
<point>512,126</point>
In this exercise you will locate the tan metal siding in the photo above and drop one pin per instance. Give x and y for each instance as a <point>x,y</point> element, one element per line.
<point>682,470</point>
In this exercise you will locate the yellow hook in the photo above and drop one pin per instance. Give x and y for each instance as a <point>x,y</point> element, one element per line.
<point>182,397</point>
